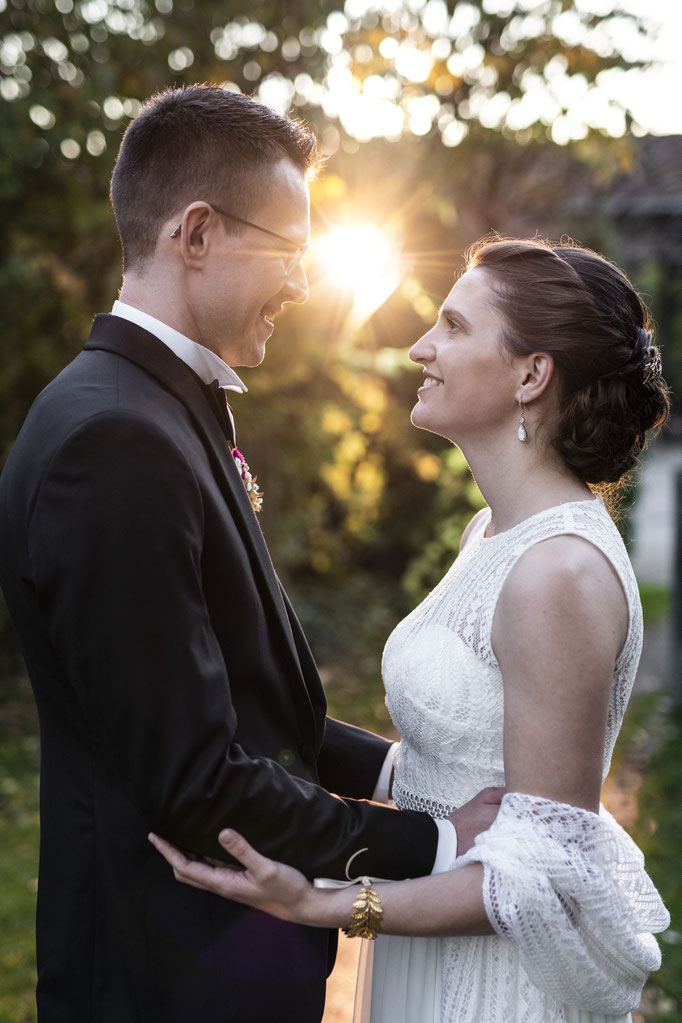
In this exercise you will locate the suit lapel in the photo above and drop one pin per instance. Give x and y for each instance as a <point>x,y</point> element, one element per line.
<point>131,342</point>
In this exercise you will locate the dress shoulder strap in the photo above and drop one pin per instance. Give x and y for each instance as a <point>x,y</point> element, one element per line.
<point>586,519</point>
<point>475,527</point>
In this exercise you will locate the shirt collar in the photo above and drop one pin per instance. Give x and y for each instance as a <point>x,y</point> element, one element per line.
<point>206,364</point>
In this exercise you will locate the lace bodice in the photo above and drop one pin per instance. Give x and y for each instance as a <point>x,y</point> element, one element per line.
<point>443,683</point>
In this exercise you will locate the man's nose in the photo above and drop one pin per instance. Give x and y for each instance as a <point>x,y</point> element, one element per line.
<point>296,285</point>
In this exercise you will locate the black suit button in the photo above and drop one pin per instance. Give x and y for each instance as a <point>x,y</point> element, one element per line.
<point>286,757</point>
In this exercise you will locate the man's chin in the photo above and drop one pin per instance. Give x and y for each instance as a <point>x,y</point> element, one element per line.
<point>255,354</point>
<point>254,351</point>
<point>250,353</point>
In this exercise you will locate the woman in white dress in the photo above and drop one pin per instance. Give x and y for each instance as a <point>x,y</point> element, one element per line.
<point>517,668</point>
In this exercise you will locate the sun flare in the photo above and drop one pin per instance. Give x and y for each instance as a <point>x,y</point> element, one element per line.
<point>362,260</point>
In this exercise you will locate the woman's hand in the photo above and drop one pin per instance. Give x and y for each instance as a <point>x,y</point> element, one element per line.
<point>448,903</point>
<point>264,884</point>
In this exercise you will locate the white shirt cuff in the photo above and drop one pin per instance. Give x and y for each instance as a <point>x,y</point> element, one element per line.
<point>446,850</point>
<point>380,794</point>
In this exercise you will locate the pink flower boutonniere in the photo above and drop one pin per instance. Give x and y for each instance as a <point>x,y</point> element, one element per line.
<point>249,481</point>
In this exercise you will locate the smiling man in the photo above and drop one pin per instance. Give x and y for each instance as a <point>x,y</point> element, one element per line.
<point>175,688</point>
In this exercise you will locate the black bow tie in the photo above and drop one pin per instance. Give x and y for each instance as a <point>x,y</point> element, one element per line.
<point>217,399</point>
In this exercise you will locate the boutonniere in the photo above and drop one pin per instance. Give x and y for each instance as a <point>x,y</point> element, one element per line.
<point>249,481</point>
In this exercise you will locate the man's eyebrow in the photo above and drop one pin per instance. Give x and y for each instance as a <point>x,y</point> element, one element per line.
<point>454,314</point>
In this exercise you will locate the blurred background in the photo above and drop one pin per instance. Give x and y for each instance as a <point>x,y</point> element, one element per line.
<point>441,121</point>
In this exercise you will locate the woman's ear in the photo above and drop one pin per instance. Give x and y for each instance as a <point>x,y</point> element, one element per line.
<point>537,374</point>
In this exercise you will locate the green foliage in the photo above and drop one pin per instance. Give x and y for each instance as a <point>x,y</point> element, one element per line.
<point>351,488</point>
<point>656,602</point>
<point>347,630</point>
<point>102,57</point>
<point>458,498</point>
<point>659,282</point>
<point>74,72</point>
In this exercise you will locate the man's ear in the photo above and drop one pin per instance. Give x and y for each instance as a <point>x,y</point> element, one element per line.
<point>195,231</point>
<point>537,373</point>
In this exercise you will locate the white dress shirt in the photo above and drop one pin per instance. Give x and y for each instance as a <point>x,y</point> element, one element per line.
<point>209,367</point>
<point>446,850</point>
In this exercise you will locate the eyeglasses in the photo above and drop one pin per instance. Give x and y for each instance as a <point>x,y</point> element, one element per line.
<point>292,253</point>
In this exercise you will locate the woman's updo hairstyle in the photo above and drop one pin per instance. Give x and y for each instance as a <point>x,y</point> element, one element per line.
<point>577,307</point>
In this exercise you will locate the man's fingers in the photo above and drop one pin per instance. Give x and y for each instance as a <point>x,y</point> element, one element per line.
<point>493,794</point>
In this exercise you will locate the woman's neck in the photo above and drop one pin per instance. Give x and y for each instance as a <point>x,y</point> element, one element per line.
<point>518,480</point>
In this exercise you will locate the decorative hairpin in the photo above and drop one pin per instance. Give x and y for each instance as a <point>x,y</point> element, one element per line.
<point>653,369</point>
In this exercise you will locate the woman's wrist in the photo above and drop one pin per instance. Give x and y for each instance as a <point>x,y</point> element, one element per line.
<point>328,907</point>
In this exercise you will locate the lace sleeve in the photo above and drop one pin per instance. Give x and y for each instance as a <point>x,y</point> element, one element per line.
<point>569,888</point>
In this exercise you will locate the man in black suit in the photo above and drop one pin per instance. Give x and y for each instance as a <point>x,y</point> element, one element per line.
<point>175,688</point>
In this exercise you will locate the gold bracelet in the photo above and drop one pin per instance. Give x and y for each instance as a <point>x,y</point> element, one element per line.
<point>365,919</point>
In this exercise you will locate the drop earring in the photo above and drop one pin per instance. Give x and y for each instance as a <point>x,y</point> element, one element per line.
<point>522,433</point>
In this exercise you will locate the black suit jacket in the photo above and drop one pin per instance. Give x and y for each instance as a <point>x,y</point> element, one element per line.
<point>176,693</point>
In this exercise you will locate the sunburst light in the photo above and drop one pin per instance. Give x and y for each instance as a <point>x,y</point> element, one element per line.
<point>361,260</point>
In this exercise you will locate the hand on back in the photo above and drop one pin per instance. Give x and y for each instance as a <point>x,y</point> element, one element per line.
<point>475,816</point>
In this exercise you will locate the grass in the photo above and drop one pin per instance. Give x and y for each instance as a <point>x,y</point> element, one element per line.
<point>658,832</point>
<point>19,836</point>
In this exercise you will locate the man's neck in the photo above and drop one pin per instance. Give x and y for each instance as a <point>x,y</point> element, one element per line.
<point>205,363</point>
<point>166,304</point>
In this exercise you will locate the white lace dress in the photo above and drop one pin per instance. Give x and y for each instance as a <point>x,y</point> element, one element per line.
<point>565,889</point>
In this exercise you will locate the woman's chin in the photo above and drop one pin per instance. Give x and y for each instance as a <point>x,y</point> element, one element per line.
<point>419,417</point>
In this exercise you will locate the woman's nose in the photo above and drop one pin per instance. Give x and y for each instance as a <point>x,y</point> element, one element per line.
<point>422,350</point>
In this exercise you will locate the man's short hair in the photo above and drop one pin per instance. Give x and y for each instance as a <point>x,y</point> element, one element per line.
<point>198,142</point>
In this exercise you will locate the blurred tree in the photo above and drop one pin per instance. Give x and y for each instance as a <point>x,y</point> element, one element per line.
<point>430,114</point>
<point>377,69</point>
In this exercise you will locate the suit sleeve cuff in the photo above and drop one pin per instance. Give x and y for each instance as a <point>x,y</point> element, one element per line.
<point>446,850</point>
<point>380,794</point>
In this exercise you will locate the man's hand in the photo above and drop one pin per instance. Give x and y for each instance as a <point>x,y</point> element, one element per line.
<point>475,816</point>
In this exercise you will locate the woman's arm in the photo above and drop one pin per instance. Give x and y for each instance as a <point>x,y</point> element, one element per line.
<point>449,903</point>
<point>560,623</point>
